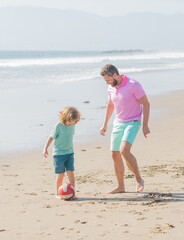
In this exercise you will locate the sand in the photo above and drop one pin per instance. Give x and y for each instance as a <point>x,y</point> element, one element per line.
<point>29,209</point>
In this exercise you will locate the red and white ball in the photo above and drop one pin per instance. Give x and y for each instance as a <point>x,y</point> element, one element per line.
<point>66,191</point>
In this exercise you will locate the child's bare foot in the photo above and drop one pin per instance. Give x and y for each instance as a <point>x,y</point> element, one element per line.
<point>140,186</point>
<point>58,197</point>
<point>117,190</point>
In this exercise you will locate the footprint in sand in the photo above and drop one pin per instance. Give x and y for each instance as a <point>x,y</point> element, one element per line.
<point>79,221</point>
<point>10,175</point>
<point>141,219</point>
<point>83,222</point>
<point>102,235</point>
<point>162,228</point>
<point>61,215</point>
<point>129,176</point>
<point>47,206</point>
<point>19,184</point>
<point>124,225</point>
<point>32,194</point>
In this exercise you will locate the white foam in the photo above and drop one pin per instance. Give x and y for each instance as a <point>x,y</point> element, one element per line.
<point>166,67</point>
<point>89,59</point>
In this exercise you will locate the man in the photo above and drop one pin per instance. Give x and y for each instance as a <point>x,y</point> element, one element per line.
<point>129,100</point>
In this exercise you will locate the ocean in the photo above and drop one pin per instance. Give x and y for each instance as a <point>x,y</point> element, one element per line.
<point>36,85</point>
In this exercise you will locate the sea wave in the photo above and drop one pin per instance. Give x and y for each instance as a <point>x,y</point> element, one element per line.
<point>89,59</point>
<point>74,77</point>
<point>96,74</point>
<point>166,67</point>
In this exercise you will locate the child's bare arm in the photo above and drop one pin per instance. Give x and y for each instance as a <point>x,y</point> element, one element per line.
<point>45,152</point>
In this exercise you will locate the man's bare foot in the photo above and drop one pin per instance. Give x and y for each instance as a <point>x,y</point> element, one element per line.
<point>117,190</point>
<point>140,186</point>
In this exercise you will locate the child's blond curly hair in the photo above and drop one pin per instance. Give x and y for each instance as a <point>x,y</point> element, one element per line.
<point>69,114</point>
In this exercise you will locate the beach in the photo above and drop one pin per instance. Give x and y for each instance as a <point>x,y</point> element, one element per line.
<point>29,209</point>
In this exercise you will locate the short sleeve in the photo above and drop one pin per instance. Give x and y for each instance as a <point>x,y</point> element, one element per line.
<point>54,132</point>
<point>138,91</point>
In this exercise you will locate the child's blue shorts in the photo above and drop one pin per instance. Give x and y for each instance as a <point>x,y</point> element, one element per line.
<point>63,163</point>
<point>123,131</point>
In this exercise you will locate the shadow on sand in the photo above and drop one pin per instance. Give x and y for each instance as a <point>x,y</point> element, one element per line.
<point>144,197</point>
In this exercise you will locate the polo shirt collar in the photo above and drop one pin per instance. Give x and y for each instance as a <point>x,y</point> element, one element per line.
<point>124,81</point>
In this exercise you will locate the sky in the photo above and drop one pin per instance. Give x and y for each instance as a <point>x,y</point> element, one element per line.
<point>105,7</point>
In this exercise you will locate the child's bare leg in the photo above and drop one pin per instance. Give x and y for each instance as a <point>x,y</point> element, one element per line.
<point>71,179</point>
<point>59,181</point>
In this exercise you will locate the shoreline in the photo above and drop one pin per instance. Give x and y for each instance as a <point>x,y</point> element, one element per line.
<point>159,109</point>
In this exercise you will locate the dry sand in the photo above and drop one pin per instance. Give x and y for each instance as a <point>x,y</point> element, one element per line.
<point>29,210</point>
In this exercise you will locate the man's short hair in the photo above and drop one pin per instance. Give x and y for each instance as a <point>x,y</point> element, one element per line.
<point>109,70</point>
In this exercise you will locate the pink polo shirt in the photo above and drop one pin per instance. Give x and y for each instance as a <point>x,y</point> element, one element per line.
<point>125,99</point>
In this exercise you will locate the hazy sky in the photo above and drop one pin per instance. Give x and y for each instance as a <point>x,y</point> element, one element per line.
<point>105,7</point>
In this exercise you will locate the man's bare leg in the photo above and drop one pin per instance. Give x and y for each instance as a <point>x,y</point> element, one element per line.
<point>119,171</point>
<point>132,164</point>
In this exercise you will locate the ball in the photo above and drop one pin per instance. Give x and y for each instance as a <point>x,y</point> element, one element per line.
<point>66,191</point>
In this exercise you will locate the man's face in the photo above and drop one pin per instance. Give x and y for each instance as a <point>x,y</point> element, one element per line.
<point>110,80</point>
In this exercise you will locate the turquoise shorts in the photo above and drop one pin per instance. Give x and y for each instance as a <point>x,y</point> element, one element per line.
<point>123,132</point>
<point>63,163</point>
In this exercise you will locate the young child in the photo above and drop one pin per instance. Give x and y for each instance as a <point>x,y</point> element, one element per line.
<point>62,134</point>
